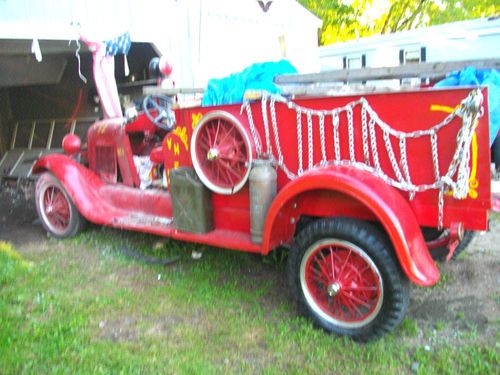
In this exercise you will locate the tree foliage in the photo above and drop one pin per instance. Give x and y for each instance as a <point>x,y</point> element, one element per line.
<point>349,19</point>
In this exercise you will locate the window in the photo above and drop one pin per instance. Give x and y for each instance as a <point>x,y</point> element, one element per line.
<point>412,56</point>
<point>354,63</point>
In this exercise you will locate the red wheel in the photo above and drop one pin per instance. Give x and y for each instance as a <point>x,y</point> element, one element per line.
<point>57,212</point>
<point>341,283</point>
<point>346,279</point>
<point>221,152</point>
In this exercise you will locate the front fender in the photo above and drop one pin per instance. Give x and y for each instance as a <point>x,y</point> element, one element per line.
<point>383,201</point>
<point>80,183</point>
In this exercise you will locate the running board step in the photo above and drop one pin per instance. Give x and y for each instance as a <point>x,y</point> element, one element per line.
<point>137,219</point>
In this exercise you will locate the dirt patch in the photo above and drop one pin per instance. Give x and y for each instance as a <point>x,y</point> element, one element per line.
<point>18,218</point>
<point>119,330</point>
<point>464,304</point>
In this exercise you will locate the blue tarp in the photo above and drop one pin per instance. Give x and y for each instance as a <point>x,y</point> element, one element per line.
<point>260,76</point>
<point>476,77</point>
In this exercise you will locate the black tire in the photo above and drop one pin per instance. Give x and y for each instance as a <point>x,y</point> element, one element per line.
<point>495,153</point>
<point>381,287</point>
<point>439,253</point>
<point>56,210</point>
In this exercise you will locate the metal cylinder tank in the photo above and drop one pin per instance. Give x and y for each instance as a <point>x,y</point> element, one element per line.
<point>262,192</point>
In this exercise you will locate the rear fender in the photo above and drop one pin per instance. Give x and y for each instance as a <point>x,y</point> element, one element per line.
<point>368,197</point>
<point>80,183</point>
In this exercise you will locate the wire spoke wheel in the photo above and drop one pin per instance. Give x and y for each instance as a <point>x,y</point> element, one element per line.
<point>341,283</point>
<point>56,209</point>
<point>346,279</point>
<point>221,152</point>
<point>57,212</point>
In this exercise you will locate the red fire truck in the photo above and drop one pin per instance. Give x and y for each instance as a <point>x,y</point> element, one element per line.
<point>353,185</point>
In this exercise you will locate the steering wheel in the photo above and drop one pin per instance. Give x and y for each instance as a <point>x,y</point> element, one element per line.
<point>158,110</point>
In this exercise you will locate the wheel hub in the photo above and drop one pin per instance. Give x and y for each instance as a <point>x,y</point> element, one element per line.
<point>212,154</point>
<point>333,289</point>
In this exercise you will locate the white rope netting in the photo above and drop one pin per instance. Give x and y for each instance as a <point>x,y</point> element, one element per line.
<point>454,181</point>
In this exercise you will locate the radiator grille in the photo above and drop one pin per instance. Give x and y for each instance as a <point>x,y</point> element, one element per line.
<point>105,163</point>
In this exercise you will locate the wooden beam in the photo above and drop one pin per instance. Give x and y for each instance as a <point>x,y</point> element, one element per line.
<point>155,90</point>
<point>340,90</point>
<point>136,83</point>
<point>26,71</point>
<point>298,82</point>
<point>425,70</point>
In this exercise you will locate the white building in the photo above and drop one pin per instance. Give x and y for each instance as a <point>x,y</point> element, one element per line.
<point>203,39</point>
<point>466,40</point>
<point>42,96</point>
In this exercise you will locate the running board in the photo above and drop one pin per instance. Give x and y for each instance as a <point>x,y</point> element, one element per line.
<point>137,219</point>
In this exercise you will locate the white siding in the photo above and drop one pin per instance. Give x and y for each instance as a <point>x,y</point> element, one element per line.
<point>466,40</point>
<point>202,39</point>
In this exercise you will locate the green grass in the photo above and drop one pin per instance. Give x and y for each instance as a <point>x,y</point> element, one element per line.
<point>79,306</point>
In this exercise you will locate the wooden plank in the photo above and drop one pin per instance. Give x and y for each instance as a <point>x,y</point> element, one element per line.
<point>340,90</point>
<point>137,83</point>
<point>424,70</point>
<point>26,71</point>
<point>154,90</point>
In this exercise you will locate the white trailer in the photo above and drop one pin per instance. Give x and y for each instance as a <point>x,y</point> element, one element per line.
<point>466,40</point>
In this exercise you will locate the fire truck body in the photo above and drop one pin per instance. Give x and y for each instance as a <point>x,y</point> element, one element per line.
<point>357,177</point>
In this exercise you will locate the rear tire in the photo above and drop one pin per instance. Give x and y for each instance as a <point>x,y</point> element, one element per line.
<point>439,253</point>
<point>495,153</point>
<point>56,210</point>
<point>346,278</point>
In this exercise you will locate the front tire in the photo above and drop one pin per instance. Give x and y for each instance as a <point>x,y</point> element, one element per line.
<point>56,210</point>
<point>346,279</point>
